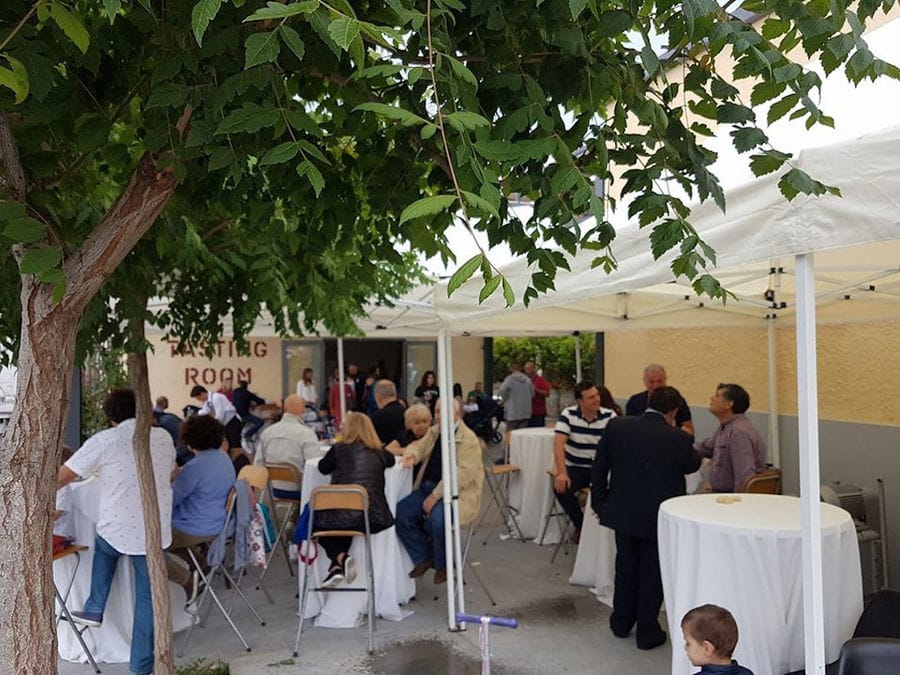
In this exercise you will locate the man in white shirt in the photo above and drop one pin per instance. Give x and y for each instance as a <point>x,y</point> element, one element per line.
<point>218,405</point>
<point>288,440</point>
<point>109,455</point>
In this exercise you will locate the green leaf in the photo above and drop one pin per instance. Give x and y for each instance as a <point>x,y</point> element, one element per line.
<point>747,138</point>
<point>169,95</point>
<point>276,10</point>
<point>312,150</point>
<point>39,259</point>
<point>461,71</point>
<point>508,293</point>
<point>343,31</point>
<point>463,274</point>
<point>25,230</point>
<point>250,117</point>
<point>766,163</point>
<point>393,112</point>
<point>480,203</point>
<point>220,157</point>
<point>734,113</point>
<point>613,23</point>
<point>15,78</point>
<point>292,40</point>
<point>490,286</point>
<point>308,169</point>
<point>111,8</point>
<point>650,60</point>
<point>280,153</point>
<point>204,12</point>
<point>70,24</point>
<point>261,48</point>
<point>576,7</point>
<point>796,181</point>
<point>463,120</point>
<point>427,206</point>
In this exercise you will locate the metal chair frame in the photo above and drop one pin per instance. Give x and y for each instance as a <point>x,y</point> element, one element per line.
<point>63,598</point>
<point>288,472</point>
<point>498,479</point>
<point>351,497</point>
<point>208,590</point>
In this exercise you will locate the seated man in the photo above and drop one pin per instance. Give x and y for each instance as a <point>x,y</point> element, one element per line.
<point>199,494</point>
<point>388,419</point>
<point>288,440</point>
<point>420,515</point>
<point>120,527</point>
<point>737,448</point>
<point>578,432</point>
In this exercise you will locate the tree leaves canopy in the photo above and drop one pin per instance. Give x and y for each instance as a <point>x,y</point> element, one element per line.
<point>313,141</point>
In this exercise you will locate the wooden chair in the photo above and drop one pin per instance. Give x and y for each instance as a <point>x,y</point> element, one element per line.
<point>350,497</point>
<point>63,598</point>
<point>290,473</point>
<point>766,482</point>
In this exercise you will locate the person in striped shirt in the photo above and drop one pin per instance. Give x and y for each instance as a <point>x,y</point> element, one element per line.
<point>578,432</point>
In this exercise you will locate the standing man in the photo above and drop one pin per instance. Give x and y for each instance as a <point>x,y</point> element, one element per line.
<point>220,407</point>
<point>737,449</point>
<point>515,394</point>
<point>359,387</point>
<point>655,377</point>
<point>288,440</point>
<point>388,419</point>
<point>578,432</point>
<point>641,462</point>
<point>120,528</point>
<point>243,399</point>
<point>539,399</point>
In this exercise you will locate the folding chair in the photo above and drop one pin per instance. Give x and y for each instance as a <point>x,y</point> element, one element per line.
<point>62,598</point>
<point>287,472</point>
<point>497,478</point>
<point>350,497</point>
<point>219,568</point>
<point>258,478</point>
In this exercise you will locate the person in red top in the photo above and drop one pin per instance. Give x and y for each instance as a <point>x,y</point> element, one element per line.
<point>539,400</point>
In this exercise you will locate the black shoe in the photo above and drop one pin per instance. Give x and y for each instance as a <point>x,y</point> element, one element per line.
<point>335,576</point>
<point>653,642</point>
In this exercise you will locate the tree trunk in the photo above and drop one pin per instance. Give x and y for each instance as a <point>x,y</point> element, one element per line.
<point>156,564</point>
<point>30,448</point>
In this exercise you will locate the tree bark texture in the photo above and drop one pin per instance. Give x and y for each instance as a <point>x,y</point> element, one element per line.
<point>30,449</point>
<point>156,564</point>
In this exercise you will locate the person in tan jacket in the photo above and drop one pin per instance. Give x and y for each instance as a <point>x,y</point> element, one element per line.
<point>420,516</point>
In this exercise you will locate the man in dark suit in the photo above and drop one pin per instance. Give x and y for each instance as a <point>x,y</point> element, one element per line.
<point>640,462</point>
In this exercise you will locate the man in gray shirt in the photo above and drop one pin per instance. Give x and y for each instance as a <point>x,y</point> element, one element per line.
<point>288,440</point>
<point>516,393</point>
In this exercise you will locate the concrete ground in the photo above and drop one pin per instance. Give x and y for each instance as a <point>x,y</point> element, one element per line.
<point>562,628</point>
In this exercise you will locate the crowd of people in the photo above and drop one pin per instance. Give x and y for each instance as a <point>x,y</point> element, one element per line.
<point>630,463</point>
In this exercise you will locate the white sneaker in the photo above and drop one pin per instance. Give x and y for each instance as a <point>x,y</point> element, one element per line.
<point>335,576</point>
<point>349,569</point>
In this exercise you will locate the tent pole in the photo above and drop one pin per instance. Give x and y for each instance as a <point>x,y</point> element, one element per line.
<point>341,380</point>
<point>774,440</point>
<point>808,426</point>
<point>446,410</point>
<point>454,491</point>
<point>577,356</point>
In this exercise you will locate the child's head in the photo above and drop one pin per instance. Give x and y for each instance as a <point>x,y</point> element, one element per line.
<point>324,412</point>
<point>710,635</point>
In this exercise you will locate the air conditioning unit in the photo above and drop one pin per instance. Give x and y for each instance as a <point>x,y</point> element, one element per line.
<point>866,507</point>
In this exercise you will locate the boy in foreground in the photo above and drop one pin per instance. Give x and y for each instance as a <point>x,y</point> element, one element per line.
<point>710,636</point>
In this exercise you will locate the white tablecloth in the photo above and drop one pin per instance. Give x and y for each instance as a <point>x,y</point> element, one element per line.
<point>595,561</point>
<point>393,587</point>
<point>111,641</point>
<point>530,492</point>
<point>746,557</point>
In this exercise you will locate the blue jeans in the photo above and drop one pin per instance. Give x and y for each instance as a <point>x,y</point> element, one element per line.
<point>106,558</point>
<point>422,537</point>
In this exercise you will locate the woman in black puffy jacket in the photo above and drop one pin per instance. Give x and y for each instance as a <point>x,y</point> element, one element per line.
<point>359,458</point>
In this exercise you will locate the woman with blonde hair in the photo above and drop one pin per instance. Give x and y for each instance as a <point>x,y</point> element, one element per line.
<point>358,458</point>
<point>417,419</point>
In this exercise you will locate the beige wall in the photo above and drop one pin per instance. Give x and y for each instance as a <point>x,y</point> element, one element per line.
<point>172,375</point>
<point>856,365</point>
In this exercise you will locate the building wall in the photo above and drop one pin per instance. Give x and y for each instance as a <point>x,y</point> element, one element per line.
<point>172,375</point>
<point>856,363</point>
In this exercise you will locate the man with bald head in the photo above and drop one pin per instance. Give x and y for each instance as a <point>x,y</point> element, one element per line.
<point>288,440</point>
<point>654,378</point>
